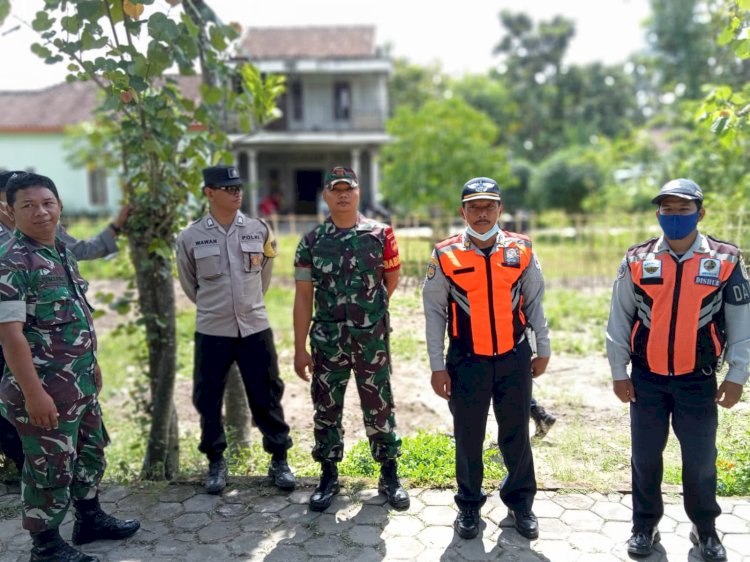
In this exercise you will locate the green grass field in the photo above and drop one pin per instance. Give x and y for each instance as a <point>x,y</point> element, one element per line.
<point>577,320</point>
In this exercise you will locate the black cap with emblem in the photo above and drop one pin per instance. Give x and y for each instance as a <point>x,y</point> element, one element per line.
<point>480,188</point>
<point>5,177</point>
<point>221,176</point>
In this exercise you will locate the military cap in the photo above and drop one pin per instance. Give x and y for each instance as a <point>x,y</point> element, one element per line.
<point>480,188</point>
<point>339,173</point>
<point>681,187</point>
<point>221,176</point>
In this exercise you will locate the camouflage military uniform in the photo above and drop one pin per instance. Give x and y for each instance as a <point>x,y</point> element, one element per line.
<point>41,287</point>
<point>101,245</point>
<point>349,331</point>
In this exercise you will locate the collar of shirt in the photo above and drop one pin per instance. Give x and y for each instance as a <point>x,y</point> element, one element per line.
<point>699,246</point>
<point>467,242</point>
<point>211,222</point>
<point>362,224</point>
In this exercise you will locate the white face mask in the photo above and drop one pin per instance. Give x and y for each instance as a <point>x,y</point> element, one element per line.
<point>483,237</point>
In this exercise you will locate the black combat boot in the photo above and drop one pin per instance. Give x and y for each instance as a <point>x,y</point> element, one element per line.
<point>50,547</point>
<point>281,474</point>
<point>391,487</point>
<point>216,478</point>
<point>543,421</point>
<point>328,487</point>
<point>92,524</point>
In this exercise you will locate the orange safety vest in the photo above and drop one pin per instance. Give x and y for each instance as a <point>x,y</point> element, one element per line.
<point>679,324</point>
<point>484,312</point>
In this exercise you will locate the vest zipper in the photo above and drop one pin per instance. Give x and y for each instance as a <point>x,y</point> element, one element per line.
<point>493,329</point>
<point>673,320</point>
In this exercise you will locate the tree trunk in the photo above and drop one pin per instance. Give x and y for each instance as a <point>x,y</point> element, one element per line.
<point>157,302</point>
<point>237,417</point>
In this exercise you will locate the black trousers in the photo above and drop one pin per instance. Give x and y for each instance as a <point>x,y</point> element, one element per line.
<point>258,365</point>
<point>690,402</point>
<point>506,381</point>
<point>10,442</point>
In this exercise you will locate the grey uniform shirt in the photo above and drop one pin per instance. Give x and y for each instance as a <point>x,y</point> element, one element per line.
<point>101,245</point>
<point>437,288</point>
<point>226,272</point>
<point>624,307</point>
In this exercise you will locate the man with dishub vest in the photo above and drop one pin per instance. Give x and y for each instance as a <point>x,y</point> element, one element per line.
<point>224,262</point>
<point>680,303</point>
<point>52,378</point>
<point>485,287</point>
<point>101,245</point>
<point>349,266</point>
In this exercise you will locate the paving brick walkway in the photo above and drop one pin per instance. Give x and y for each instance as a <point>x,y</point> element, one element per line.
<point>253,521</point>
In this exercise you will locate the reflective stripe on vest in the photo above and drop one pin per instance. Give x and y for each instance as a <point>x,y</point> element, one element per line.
<point>485,301</point>
<point>678,327</point>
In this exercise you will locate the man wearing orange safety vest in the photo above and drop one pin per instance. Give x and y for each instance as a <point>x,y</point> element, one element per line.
<point>485,287</point>
<point>680,306</point>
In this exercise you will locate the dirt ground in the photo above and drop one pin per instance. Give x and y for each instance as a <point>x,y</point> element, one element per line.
<point>570,386</point>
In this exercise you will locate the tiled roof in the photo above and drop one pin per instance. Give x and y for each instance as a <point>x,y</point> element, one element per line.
<point>332,42</point>
<point>54,108</point>
<point>51,109</point>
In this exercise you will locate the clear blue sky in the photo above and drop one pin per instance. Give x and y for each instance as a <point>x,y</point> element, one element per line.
<point>461,35</point>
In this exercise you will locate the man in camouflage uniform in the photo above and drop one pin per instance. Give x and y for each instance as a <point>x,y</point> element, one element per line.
<point>224,261</point>
<point>51,380</point>
<point>349,266</point>
<point>101,245</point>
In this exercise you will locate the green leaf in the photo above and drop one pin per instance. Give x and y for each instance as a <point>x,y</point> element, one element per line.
<point>4,10</point>
<point>42,22</point>
<point>725,37</point>
<point>90,10</point>
<point>744,4</point>
<point>743,50</point>
<point>720,124</point>
<point>211,94</point>
<point>40,50</point>
<point>218,41</point>
<point>70,24</point>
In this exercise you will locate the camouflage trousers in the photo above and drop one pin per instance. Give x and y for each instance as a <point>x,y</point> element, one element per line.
<point>60,463</point>
<point>337,350</point>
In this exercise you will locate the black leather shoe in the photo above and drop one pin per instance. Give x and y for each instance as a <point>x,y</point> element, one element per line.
<point>216,479</point>
<point>327,488</point>
<point>467,523</point>
<point>390,487</point>
<point>281,475</point>
<point>525,522</point>
<point>709,545</point>
<point>50,547</point>
<point>642,541</point>
<point>92,524</point>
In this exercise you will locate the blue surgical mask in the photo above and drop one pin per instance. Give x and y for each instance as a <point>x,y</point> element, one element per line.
<point>486,236</point>
<point>677,227</point>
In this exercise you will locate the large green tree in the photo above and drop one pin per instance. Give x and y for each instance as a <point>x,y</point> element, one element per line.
<point>437,148</point>
<point>163,138</point>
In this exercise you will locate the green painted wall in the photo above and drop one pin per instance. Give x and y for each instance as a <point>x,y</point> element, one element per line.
<point>44,153</point>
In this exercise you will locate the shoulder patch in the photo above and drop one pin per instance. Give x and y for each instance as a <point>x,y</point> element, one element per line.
<point>622,270</point>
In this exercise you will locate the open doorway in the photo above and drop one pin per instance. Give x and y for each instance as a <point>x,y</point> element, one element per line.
<point>309,183</point>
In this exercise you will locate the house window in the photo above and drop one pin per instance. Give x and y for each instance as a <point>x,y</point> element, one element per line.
<point>342,100</point>
<point>297,100</point>
<point>98,186</point>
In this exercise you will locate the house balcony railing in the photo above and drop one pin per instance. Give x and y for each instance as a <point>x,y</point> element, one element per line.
<point>320,120</point>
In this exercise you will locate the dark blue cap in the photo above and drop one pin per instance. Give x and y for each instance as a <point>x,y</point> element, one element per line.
<point>480,188</point>
<point>681,187</point>
<point>221,176</point>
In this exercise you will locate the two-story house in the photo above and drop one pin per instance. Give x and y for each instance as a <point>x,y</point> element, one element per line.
<point>333,112</point>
